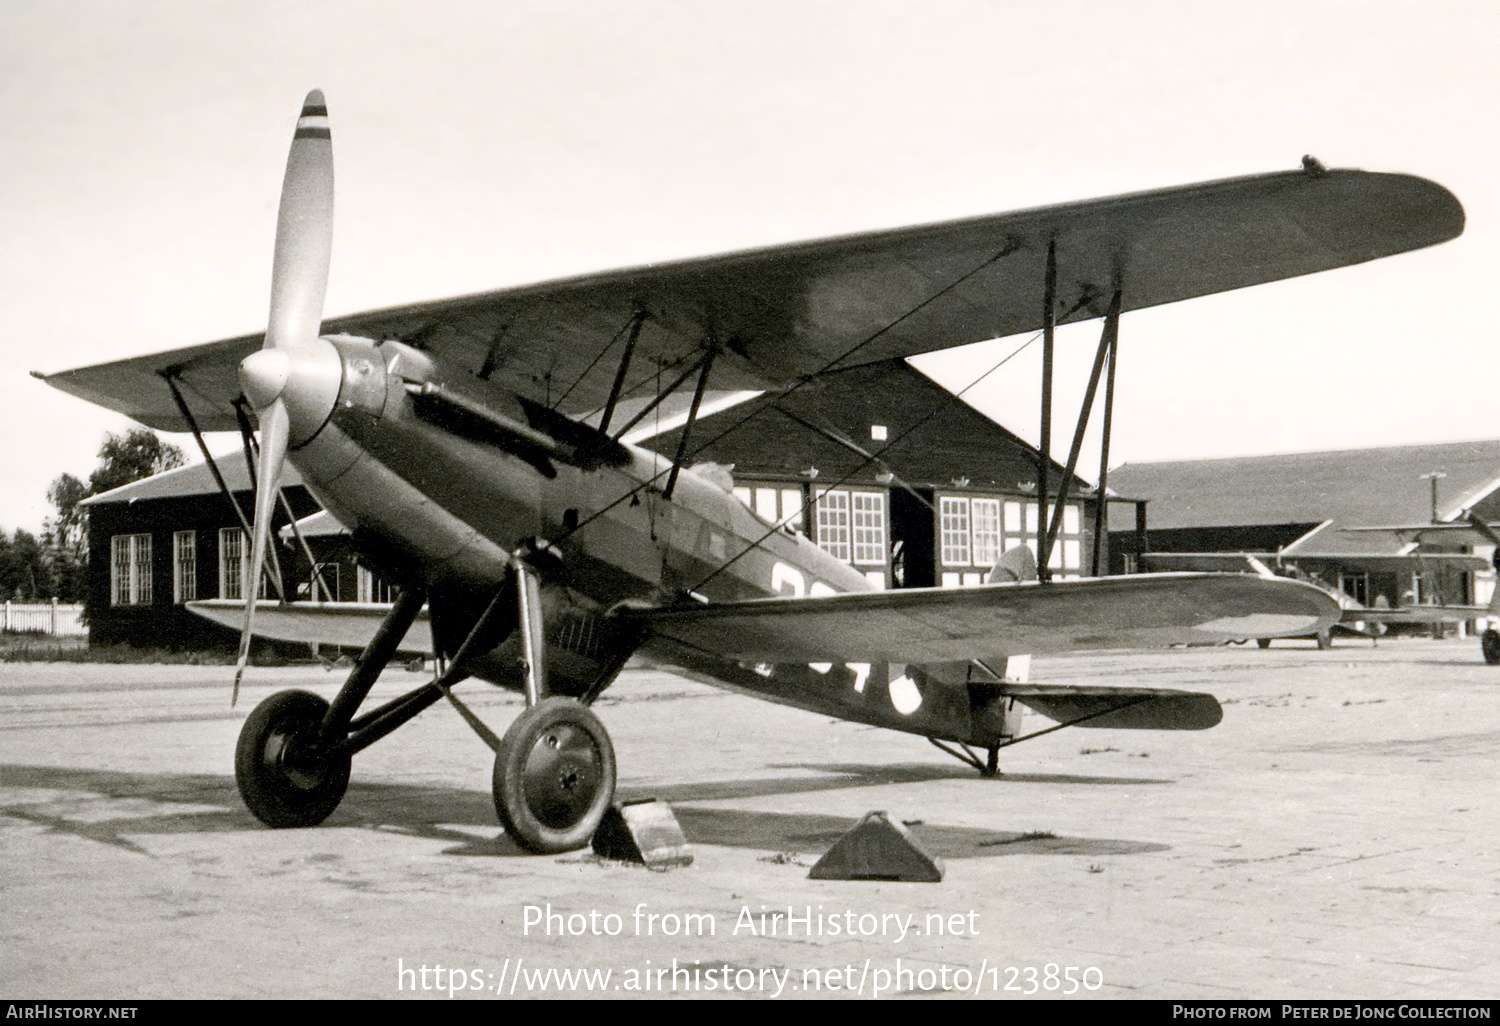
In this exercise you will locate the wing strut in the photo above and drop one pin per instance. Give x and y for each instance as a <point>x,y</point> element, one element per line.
<point>1101,510</point>
<point>614,390</point>
<point>687,429</point>
<point>1106,343</point>
<point>1044,444</point>
<point>653,404</point>
<point>213,466</point>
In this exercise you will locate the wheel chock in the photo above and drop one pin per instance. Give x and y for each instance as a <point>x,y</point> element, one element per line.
<point>877,849</point>
<point>642,831</point>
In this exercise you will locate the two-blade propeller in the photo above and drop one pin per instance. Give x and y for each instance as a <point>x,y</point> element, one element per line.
<point>299,279</point>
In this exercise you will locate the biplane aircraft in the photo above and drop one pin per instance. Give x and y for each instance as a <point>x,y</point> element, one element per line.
<point>1466,529</point>
<point>1339,574</point>
<point>473,447</point>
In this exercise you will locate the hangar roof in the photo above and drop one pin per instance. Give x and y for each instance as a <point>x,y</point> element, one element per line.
<point>926,434</point>
<point>1350,487</point>
<point>193,479</point>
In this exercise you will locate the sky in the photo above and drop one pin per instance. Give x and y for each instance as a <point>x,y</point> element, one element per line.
<point>482,145</point>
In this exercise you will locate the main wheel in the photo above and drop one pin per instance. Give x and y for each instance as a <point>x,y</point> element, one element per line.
<point>284,783</point>
<point>1325,639</point>
<point>1489,644</point>
<point>554,776</point>
<point>1263,642</point>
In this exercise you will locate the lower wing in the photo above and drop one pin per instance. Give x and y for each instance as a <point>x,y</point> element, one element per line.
<point>942,625</point>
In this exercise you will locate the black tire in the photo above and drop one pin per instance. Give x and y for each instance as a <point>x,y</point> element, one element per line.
<point>280,782</point>
<point>1489,644</point>
<point>554,776</point>
<point>1325,639</point>
<point>1263,642</point>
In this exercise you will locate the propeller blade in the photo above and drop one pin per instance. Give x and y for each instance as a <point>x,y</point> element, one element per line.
<point>304,231</point>
<point>273,444</point>
<point>299,280</point>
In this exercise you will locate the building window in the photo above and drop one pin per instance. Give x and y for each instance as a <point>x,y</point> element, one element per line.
<point>234,564</point>
<point>231,563</point>
<point>130,570</point>
<point>833,524</point>
<point>986,516</point>
<point>954,514</point>
<point>370,587</point>
<point>869,526</point>
<point>185,566</point>
<point>780,506</point>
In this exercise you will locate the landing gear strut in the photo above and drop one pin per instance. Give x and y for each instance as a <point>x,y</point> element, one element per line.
<point>555,768</point>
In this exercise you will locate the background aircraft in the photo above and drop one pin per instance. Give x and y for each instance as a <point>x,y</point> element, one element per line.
<point>1466,530</point>
<point>474,448</point>
<point>1340,574</point>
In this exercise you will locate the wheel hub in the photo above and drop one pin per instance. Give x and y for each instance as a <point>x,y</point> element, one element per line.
<point>301,768</point>
<point>562,776</point>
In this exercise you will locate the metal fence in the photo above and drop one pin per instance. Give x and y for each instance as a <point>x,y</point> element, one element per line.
<point>63,618</point>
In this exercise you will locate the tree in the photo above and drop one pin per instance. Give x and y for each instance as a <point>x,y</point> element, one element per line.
<point>65,538</point>
<point>24,574</point>
<point>138,453</point>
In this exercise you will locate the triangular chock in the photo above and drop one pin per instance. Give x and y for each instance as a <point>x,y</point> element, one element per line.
<point>642,831</point>
<point>877,849</point>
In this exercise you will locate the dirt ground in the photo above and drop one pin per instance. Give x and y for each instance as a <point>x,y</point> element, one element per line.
<point>1335,836</point>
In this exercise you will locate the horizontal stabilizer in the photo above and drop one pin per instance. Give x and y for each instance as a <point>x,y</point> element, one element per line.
<point>1133,708</point>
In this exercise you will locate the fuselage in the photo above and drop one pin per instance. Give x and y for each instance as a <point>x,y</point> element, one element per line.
<point>424,499</point>
<point>458,507</point>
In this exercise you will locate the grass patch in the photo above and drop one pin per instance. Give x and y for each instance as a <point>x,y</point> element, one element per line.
<point>46,648</point>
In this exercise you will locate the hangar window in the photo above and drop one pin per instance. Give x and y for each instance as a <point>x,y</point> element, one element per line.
<point>954,514</point>
<point>234,564</point>
<point>130,570</point>
<point>833,524</point>
<point>869,527</point>
<point>780,506</point>
<point>185,566</point>
<point>986,517</point>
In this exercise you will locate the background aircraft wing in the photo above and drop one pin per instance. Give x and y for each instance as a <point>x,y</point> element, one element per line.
<point>1353,561</point>
<point>787,311</point>
<point>1416,614</point>
<point>351,624</point>
<point>936,625</point>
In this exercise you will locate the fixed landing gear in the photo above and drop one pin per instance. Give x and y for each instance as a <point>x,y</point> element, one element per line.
<point>1263,642</point>
<point>1489,644</point>
<point>989,766</point>
<point>1325,639</point>
<point>285,780</point>
<point>554,776</point>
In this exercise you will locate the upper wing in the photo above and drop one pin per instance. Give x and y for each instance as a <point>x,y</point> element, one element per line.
<point>936,625</point>
<point>788,311</point>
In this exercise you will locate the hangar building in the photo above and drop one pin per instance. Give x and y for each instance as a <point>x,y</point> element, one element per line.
<point>1303,504</point>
